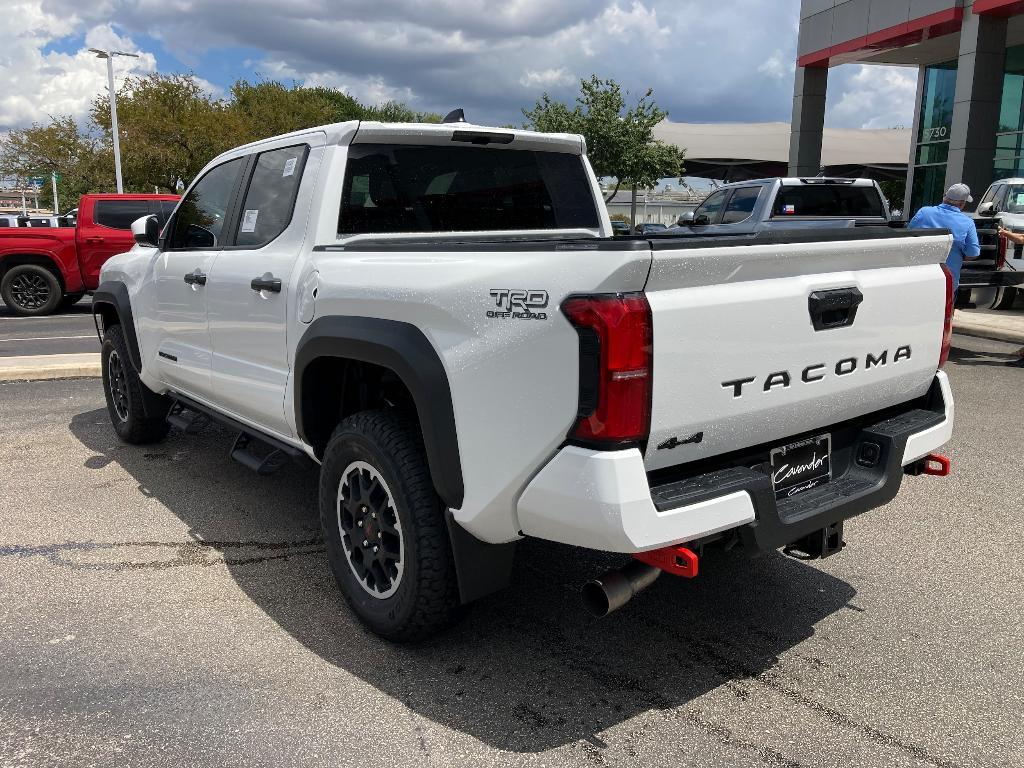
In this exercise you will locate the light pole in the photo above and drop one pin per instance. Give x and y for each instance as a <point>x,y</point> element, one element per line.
<point>109,56</point>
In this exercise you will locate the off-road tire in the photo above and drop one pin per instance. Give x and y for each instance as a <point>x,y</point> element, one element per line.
<point>1005,298</point>
<point>125,394</point>
<point>426,598</point>
<point>31,290</point>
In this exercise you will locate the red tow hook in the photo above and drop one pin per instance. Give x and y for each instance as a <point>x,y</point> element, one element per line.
<point>677,560</point>
<point>936,464</point>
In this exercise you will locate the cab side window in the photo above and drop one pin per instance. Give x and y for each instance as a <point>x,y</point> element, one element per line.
<point>162,209</point>
<point>119,214</point>
<point>200,217</point>
<point>990,194</point>
<point>270,199</point>
<point>707,212</point>
<point>741,205</point>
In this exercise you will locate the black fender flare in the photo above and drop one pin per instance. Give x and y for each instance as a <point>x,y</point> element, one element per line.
<point>403,349</point>
<point>114,293</point>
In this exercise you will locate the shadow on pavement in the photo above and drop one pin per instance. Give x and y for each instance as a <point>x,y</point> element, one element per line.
<point>961,356</point>
<point>527,669</point>
<point>82,307</point>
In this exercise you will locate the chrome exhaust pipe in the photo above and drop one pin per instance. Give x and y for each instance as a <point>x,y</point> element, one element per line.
<point>616,588</point>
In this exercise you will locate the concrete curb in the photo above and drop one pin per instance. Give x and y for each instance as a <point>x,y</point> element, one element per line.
<point>43,367</point>
<point>1009,329</point>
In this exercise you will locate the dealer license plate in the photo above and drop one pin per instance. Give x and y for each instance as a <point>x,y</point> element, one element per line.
<point>799,467</point>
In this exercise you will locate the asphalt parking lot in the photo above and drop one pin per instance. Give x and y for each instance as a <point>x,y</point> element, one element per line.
<point>163,606</point>
<point>69,332</point>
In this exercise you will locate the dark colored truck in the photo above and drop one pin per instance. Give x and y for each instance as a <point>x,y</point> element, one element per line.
<point>43,269</point>
<point>759,205</point>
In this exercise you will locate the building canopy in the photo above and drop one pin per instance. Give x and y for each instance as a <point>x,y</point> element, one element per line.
<point>739,151</point>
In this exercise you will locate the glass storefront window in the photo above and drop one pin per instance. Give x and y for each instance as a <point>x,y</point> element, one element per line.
<point>929,185</point>
<point>937,105</point>
<point>1011,119</point>
<point>929,154</point>
<point>1008,168</point>
<point>932,148</point>
<point>1009,158</point>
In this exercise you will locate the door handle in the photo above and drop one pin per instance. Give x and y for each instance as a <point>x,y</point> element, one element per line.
<point>266,283</point>
<point>95,240</point>
<point>195,278</point>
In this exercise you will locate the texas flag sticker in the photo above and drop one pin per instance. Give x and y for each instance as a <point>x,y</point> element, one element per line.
<point>789,209</point>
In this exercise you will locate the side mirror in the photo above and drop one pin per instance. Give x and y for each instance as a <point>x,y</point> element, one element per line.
<point>685,219</point>
<point>701,219</point>
<point>146,231</point>
<point>987,209</point>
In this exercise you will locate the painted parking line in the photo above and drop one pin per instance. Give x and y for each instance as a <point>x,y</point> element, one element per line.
<point>52,338</point>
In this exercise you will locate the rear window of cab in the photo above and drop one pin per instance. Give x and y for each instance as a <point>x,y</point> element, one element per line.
<point>392,188</point>
<point>828,200</point>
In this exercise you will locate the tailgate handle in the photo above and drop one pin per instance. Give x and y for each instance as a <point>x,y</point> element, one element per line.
<point>834,309</point>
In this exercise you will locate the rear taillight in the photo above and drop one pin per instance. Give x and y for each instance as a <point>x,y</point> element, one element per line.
<point>947,328</point>
<point>615,368</point>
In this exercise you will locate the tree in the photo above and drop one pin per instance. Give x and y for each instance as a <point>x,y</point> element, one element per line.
<point>270,108</point>
<point>84,163</point>
<point>397,112</point>
<point>170,128</point>
<point>620,140</point>
<point>894,191</point>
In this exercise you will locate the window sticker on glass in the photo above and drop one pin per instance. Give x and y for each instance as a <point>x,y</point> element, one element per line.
<point>289,167</point>
<point>249,221</point>
<point>789,208</point>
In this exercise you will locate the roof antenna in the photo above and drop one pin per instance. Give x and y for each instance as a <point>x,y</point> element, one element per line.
<point>455,116</point>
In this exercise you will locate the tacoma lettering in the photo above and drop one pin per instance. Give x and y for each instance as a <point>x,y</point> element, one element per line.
<point>816,371</point>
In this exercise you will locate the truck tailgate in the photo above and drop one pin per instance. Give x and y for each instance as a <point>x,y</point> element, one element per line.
<point>738,361</point>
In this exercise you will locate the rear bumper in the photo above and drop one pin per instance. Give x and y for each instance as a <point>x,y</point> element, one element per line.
<point>604,499</point>
<point>970,278</point>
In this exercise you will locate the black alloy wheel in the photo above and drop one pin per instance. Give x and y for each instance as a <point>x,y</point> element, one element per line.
<point>118,386</point>
<point>31,289</point>
<point>371,532</point>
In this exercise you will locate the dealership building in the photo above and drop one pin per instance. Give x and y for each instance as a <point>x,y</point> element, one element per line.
<point>969,111</point>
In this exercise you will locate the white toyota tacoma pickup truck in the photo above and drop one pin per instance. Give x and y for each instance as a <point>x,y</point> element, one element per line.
<point>439,317</point>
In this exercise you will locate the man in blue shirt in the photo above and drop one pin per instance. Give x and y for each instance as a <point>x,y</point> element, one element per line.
<point>950,215</point>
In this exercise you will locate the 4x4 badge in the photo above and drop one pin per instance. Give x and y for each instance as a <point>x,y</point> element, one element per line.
<point>675,442</point>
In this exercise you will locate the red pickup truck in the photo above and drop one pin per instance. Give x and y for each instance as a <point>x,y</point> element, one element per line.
<point>43,269</point>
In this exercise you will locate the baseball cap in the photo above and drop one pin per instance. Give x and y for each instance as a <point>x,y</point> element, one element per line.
<point>959,193</point>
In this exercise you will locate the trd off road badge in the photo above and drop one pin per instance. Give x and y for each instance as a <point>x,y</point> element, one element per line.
<point>519,304</point>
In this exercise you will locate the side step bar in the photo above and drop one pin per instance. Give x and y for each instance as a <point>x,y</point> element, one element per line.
<point>249,451</point>
<point>261,453</point>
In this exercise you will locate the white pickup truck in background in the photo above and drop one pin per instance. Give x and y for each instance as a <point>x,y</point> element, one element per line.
<point>439,316</point>
<point>996,278</point>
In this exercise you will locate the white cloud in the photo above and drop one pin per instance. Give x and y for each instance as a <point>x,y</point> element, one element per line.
<point>36,84</point>
<point>707,61</point>
<point>549,78</point>
<point>778,66</point>
<point>493,58</point>
<point>369,90</point>
<point>871,97</point>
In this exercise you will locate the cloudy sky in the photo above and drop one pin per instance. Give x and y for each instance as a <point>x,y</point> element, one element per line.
<point>707,60</point>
